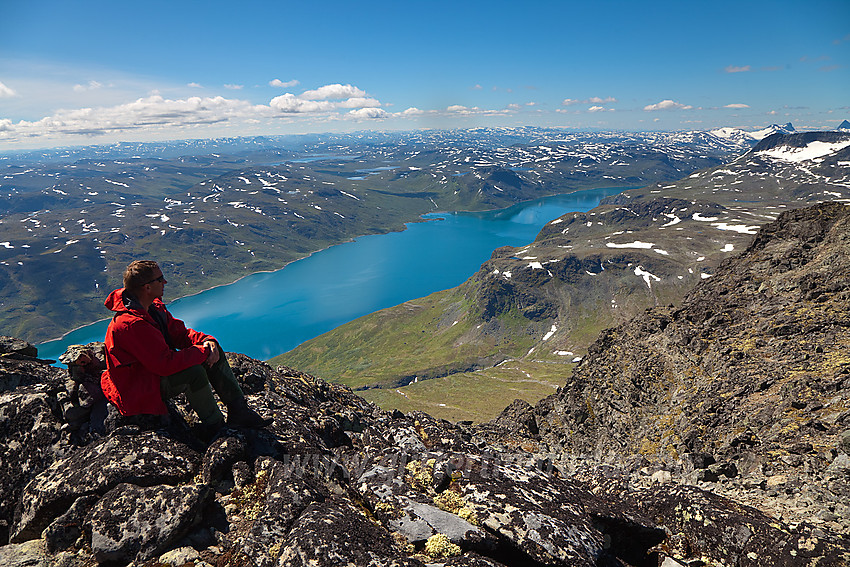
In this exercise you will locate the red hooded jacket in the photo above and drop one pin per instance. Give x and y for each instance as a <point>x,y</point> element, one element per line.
<point>138,356</point>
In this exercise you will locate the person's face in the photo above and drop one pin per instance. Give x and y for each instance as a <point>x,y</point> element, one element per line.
<point>156,286</point>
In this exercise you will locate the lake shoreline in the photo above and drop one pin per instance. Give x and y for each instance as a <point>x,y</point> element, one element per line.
<point>421,219</point>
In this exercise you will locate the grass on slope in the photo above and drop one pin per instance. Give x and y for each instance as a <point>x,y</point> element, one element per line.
<point>475,396</point>
<point>425,338</point>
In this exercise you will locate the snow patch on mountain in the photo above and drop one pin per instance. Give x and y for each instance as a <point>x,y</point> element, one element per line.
<point>812,150</point>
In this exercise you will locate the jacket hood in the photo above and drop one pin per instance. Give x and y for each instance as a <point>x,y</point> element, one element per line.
<point>115,301</point>
<point>120,302</point>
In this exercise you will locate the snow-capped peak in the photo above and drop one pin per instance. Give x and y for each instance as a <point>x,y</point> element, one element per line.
<point>738,135</point>
<point>772,129</point>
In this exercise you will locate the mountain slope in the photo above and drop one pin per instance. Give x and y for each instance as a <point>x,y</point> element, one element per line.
<point>547,301</point>
<point>752,370</point>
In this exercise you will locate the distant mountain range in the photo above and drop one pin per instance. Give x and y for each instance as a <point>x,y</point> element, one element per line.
<point>215,210</point>
<point>745,137</point>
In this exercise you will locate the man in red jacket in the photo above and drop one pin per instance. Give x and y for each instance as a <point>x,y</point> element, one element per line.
<point>151,356</point>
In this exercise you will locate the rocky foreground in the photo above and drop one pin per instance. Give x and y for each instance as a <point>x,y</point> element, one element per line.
<point>712,434</point>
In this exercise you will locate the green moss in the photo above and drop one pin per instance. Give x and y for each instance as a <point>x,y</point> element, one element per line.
<point>421,476</point>
<point>250,499</point>
<point>439,546</point>
<point>451,501</point>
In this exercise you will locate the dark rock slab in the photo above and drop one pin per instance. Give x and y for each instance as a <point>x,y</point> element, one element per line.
<point>222,454</point>
<point>518,418</point>
<point>336,532</point>
<point>11,345</point>
<point>138,523</point>
<point>65,530</point>
<point>538,514</point>
<point>31,441</point>
<point>717,530</point>
<point>146,459</point>
<point>269,507</point>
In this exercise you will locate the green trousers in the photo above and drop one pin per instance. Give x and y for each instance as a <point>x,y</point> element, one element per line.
<point>198,382</point>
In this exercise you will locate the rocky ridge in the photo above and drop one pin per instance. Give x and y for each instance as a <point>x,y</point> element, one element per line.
<point>744,389</point>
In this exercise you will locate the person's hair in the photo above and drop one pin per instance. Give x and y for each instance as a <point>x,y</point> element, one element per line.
<point>138,273</point>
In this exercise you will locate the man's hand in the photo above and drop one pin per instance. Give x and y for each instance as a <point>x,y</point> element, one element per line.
<point>213,357</point>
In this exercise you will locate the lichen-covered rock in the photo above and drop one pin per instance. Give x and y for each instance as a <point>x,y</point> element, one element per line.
<point>137,523</point>
<point>262,513</point>
<point>715,530</point>
<point>31,426</point>
<point>11,345</point>
<point>336,533</point>
<point>65,530</point>
<point>541,515</point>
<point>418,522</point>
<point>28,554</point>
<point>146,459</point>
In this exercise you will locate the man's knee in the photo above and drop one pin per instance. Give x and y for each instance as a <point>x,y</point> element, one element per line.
<point>193,379</point>
<point>198,378</point>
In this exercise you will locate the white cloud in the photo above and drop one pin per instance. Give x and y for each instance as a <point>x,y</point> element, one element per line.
<point>737,69</point>
<point>324,99</point>
<point>6,92</point>
<point>370,113</point>
<point>413,111</point>
<point>90,86</point>
<point>667,105</point>
<point>333,92</point>
<point>737,105</point>
<point>283,84</point>
<point>598,109</point>
<point>595,100</point>
<point>461,110</point>
<point>359,102</point>
<point>234,87</point>
<point>291,104</point>
<point>153,112</point>
<point>194,86</point>
<point>477,88</point>
<point>514,106</point>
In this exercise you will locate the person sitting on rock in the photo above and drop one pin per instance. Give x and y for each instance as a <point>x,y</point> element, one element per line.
<point>152,356</point>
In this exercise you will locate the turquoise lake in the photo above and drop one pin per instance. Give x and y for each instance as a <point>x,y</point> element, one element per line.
<point>265,314</point>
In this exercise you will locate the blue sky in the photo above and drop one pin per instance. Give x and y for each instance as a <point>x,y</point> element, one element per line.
<point>83,72</point>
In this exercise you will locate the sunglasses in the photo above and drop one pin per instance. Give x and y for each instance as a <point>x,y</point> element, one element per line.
<point>159,279</point>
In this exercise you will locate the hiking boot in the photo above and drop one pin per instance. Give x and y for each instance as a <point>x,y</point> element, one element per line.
<point>206,432</point>
<point>240,415</point>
